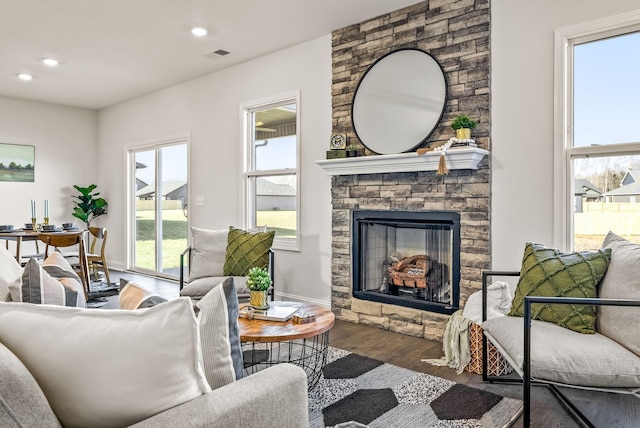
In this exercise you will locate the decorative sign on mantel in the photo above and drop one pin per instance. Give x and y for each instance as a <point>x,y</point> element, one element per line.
<point>461,158</point>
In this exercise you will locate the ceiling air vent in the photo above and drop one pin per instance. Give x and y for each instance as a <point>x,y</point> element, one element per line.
<point>215,54</point>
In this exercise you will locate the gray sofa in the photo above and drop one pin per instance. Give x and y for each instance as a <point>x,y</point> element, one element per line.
<point>23,404</point>
<point>124,365</point>
<point>545,353</point>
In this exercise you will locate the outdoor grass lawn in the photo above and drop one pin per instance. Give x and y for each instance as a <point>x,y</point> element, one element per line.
<point>283,222</point>
<point>175,232</point>
<point>174,240</point>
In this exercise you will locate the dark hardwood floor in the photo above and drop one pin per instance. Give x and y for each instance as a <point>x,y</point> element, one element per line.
<point>605,410</point>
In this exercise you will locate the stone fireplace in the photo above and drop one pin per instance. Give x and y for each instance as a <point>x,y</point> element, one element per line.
<point>456,33</point>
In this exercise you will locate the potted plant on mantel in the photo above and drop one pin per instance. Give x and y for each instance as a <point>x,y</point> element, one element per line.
<point>463,125</point>
<point>352,151</point>
<point>88,206</point>
<point>258,283</point>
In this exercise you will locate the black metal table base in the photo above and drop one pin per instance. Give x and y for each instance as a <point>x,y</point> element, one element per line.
<point>310,354</point>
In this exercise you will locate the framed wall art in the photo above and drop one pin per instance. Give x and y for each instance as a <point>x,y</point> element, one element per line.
<point>17,162</point>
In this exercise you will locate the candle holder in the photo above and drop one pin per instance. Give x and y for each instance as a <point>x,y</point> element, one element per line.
<point>34,224</point>
<point>46,220</point>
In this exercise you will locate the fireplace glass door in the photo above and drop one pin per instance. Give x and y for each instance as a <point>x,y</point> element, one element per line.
<point>407,261</point>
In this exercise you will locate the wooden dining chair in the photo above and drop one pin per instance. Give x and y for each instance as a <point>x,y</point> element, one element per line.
<point>67,239</point>
<point>98,258</point>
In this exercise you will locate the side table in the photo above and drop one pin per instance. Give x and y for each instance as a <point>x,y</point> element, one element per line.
<point>265,343</point>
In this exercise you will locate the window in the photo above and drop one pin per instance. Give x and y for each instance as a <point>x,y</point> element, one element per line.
<point>597,139</point>
<point>271,168</point>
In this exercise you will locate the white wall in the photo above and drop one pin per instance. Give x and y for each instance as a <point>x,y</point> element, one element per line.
<point>208,109</point>
<point>522,102</point>
<point>66,143</point>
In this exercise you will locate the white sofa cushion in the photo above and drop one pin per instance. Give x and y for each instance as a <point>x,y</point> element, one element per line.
<point>10,270</point>
<point>562,355</point>
<point>208,249</point>
<point>220,334</point>
<point>622,281</point>
<point>200,287</point>
<point>152,359</point>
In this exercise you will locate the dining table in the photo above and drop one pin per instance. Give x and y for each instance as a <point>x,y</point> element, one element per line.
<point>24,235</point>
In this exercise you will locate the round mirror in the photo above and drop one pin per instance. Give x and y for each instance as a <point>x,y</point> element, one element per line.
<point>399,101</point>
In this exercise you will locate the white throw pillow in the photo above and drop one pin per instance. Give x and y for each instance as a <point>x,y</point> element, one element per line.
<point>10,270</point>
<point>220,334</point>
<point>208,250</point>
<point>111,368</point>
<point>498,302</point>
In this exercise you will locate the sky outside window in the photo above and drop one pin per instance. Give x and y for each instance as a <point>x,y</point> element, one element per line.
<point>607,91</point>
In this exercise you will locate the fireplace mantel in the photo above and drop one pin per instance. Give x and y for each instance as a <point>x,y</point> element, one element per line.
<point>463,158</point>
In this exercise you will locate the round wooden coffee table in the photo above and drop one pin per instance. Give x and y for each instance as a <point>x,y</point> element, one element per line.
<point>265,343</point>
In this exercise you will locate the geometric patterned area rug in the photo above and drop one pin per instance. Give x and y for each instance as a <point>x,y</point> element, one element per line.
<point>377,394</point>
<point>100,290</point>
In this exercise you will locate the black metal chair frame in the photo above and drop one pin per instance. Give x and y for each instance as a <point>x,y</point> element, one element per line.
<point>527,381</point>
<point>270,269</point>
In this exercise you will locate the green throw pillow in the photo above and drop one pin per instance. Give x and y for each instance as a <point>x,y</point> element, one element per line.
<point>246,250</point>
<point>551,273</point>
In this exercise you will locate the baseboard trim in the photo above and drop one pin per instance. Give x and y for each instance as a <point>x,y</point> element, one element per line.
<point>296,298</point>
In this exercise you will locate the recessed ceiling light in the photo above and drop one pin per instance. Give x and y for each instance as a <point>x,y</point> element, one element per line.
<point>199,31</point>
<point>50,61</point>
<point>25,76</point>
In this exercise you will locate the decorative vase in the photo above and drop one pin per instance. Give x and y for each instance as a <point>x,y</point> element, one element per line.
<point>463,134</point>
<point>258,299</point>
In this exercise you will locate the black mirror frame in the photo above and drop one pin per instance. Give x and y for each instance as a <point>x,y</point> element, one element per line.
<point>430,131</point>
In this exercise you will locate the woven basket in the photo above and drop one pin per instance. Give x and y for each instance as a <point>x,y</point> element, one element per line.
<point>496,364</point>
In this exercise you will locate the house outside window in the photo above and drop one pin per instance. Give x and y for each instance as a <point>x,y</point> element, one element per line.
<point>597,141</point>
<point>271,137</point>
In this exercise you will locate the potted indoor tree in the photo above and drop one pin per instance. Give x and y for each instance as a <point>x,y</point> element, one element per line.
<point>258,283</point>
<point>463,125</point>
<point>88,205</point>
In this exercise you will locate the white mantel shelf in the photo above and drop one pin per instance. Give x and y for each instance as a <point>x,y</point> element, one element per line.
<point>463,158</point>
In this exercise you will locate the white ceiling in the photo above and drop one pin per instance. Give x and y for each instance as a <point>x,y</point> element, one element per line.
<point>115,50</point>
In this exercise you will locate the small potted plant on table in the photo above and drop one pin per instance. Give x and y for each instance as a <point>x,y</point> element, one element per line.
<point>258,283</point>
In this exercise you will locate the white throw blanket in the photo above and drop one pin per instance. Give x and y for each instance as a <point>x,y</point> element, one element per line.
<point>455,343</point>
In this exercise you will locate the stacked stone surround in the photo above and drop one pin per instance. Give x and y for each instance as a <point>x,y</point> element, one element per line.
<point>456,34</point>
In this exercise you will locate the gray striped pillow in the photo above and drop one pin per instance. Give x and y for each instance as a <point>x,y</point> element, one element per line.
<point>35,285</point>
<point>220,334</point>
<point>59,268</point>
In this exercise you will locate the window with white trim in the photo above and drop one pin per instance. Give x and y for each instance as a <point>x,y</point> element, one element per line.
<point>597,132</point>
<point>271,134</point>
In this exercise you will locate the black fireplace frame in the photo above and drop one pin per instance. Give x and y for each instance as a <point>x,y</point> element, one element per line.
<point>414,219</point>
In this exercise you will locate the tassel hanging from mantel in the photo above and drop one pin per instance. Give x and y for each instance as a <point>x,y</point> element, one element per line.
<point>442,165</point>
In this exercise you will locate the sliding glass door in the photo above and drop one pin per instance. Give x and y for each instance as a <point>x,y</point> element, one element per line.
<point>158,208</point>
